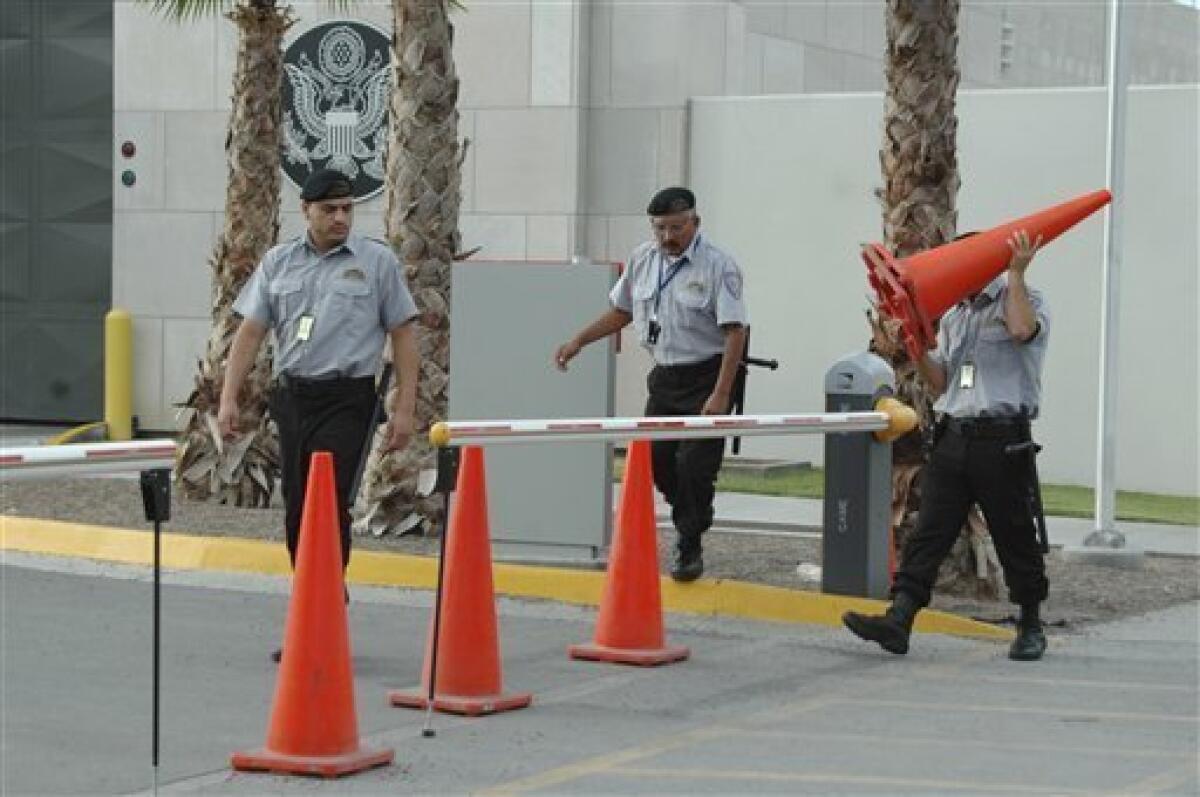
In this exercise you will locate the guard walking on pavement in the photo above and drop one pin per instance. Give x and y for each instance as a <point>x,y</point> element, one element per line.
<point>987,370</point>
<point>331,299</point>
<point>684,298</point>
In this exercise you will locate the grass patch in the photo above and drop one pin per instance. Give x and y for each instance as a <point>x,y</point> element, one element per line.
<point>1060,499</point>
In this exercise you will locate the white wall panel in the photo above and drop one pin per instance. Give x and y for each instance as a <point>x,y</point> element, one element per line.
<point>193,146</point>
<point>159,64</point>
<point>787,185</point>
<point>526,160</point>
<point>160,263</point>
<point>145,131</point>
<point>492,43</point>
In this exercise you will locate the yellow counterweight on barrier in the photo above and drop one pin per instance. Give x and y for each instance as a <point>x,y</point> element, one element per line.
<point>902,419</point>
<point>118,374</point>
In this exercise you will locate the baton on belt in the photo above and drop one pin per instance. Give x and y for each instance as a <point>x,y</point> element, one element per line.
<point>737,400</point>
<point>377,417</point>
<point>1033,488</point>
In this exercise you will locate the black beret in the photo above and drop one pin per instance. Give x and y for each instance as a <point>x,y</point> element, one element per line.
<point>326,184</point>
<point>671,200</point>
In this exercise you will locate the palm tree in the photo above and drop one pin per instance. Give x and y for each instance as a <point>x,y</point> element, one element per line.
<point>423,195</point>
<point>919,162</point>
<point>242,472</point>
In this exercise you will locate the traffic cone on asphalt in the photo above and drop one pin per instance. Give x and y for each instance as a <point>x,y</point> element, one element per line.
<point>314,727</point>
<point>918,289</point>
<point>630,627</point>
<point>468,655</point>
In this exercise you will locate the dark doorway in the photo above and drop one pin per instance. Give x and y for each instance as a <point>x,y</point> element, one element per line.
<point>56,107</point>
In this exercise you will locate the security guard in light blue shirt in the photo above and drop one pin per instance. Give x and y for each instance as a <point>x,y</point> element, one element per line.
<point>987,369</point>
<point>996,378</point>
<point>684,297</point>
<point>330,298</point>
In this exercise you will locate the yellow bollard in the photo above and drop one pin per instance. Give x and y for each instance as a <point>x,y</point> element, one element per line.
<point>118,374</point>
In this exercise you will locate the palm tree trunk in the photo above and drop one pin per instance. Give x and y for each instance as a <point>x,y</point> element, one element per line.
<point>423,196</point>
<point>920,173</point>
<point>241,472</point>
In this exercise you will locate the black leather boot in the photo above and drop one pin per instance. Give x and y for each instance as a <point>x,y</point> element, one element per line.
<point>689,564</point>
<point>1030,643</point>
<point>892,629</point>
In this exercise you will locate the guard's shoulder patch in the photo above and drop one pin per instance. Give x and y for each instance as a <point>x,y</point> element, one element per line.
<point>731,281</point>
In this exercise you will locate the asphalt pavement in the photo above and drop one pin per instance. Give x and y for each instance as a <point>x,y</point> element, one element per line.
<point>758,708</point>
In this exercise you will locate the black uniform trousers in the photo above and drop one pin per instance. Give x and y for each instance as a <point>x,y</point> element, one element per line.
<point>320,415</point>
<point>685,471</point>
<point>968,465</point>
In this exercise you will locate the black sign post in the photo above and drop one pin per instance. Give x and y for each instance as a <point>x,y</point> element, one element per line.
<point>156,500</point>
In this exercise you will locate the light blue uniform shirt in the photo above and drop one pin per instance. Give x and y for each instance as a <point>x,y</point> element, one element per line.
<point>354,294</point>
<point>1007,378</point>
<point>703,294</point>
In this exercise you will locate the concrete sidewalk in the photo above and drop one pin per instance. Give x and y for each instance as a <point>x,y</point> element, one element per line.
<point>741,511</point>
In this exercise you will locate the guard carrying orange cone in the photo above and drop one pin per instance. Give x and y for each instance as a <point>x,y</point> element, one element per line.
<point>630,627</point>
<point>467,678</point>
<point>918,289</point>
<point>314,726</point>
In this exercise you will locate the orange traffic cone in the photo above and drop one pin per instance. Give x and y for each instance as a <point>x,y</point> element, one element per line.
<point>918,289</point>
<point>630,627</point>
<point>314,728</point>
<point>468,654</point>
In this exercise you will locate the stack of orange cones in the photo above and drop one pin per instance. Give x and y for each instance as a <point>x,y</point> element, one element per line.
<point>469,679</point>
<point>630,627</point>
<point>314,727</point>
<point>918,289</point>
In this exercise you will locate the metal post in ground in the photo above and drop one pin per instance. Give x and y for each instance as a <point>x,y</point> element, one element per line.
<point>1106,545</point>
<point>156,501</point>
<point>447,477</point>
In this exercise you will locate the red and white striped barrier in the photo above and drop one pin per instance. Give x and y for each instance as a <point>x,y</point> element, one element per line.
<point>85,459</point>
<point>655,428</point>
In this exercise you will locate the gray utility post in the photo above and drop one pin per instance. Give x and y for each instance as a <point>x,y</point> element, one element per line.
<point>1106,545</point>
<point>858,483</point>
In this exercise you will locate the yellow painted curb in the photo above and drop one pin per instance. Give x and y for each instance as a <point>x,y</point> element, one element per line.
<point>717,597</point>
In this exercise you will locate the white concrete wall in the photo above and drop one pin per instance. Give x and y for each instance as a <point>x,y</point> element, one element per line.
<point>520,108</point>
<point>786,184</point>
<point>576,111</point>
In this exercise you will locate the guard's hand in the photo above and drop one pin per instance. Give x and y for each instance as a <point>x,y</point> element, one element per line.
<point>398,431</point>
<point>227,416</point>
<point>717,404</point>
<point>565,353</point>
<point>1022,251</point>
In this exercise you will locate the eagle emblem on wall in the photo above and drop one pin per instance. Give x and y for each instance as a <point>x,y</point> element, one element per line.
<point>336,93</point>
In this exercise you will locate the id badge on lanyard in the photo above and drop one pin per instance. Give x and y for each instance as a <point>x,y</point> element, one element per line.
<point>966,376</point>
<point>304,330</point>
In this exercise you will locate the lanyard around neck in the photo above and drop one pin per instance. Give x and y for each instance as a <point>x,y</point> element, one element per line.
<point>663,283</point>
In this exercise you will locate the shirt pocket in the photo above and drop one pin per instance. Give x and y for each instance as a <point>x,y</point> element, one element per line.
<point>693,300</point>
<point>994,332</point>
<point>287,299</point>
<point>350,306</point>
<point>643,309</point>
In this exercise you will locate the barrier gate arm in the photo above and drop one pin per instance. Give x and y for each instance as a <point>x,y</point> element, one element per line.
<point>889,420</point>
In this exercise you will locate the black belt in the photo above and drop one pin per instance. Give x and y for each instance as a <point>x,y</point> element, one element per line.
<point>987,426</point>
<point>702,367</point>
<point>301,384</point>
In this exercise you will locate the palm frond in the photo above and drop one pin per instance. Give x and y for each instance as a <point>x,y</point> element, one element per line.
<point>186,10</point>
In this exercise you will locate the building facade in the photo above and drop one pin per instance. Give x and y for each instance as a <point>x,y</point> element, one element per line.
<point>575,111</point>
